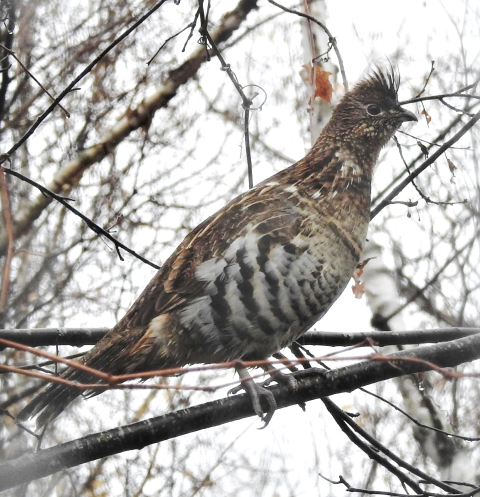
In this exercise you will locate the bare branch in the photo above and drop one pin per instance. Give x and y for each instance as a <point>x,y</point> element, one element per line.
<point>425,164</point>
<point>432,68</point>
<point>91,224</point>
<point>70,174</point>
<point>73,84</point>
<point>36,337</point>
<point>312,384</point>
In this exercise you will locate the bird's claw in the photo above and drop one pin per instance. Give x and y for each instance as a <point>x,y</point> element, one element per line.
<point>305,373</point>
<point>288,380</point>
<point>256,393</point>
<point>236,389</point>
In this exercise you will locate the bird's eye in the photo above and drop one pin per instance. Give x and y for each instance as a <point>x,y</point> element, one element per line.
<point>374,110</point>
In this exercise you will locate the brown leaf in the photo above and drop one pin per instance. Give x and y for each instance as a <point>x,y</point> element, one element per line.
<point>452,168</point>
<point>423,148</point>
<point>427,116</point>
<point>358,288</point>
<point>323,87</point>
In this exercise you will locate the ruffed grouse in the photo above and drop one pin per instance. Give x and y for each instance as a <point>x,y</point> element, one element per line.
<point>253,277</point>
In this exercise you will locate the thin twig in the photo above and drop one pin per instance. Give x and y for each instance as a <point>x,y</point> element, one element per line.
<point>246,102</point>
<point>7,216</point>
<point>92,225</point>
<point>431,143</point>
<point>191,25</point>
<point>415,421</point>
<point>407,203</point>
<point>341,420</point>
<point>339,414</point>
<point>424,165</point>
<point>40,365</point>
<point>12,53</point>
<point>427,199</point>
<point>456,109</point>
<point>435,277</point>
<point>76,80</point>
<point>247,148</point>
<point>427,80</point>
<point>439,97</point>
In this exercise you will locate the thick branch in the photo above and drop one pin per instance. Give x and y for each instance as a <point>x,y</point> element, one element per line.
<point>383,338</point>
<point>312,385</point>
<point>36,337</point>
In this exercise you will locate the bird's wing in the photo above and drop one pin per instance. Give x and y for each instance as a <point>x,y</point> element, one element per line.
<point>264,208</point>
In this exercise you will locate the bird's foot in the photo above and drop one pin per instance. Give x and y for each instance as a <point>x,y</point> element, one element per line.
<point>256,393</point>
<point>305,373</point>
<point>281,378</point>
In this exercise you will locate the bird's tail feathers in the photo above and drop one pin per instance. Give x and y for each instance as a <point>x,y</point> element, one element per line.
<point>109,355</point>
<point>54,399</point>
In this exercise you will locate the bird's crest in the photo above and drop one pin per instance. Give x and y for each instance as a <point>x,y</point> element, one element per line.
<point>381,81</point>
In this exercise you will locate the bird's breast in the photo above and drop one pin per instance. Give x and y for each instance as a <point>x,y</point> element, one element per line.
<point>260,295</point>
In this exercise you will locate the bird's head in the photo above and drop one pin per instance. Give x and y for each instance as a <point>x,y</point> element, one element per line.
<point>368,115</point>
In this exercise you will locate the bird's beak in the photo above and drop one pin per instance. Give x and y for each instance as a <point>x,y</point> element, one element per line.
<point>406,115</point>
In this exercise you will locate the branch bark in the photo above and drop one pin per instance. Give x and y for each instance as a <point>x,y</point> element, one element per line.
<point>37,337</point>
<point>312,385</point>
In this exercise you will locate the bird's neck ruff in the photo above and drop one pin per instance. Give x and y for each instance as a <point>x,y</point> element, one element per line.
<point>331,169</point>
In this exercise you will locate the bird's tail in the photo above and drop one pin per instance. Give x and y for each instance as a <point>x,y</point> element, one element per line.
<point>55,398</point>
<point>112,355</point>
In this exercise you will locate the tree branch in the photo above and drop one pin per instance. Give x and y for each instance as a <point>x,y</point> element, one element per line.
<point>72,85</point>
<point>312,385</point>
<point>70,175</point>
<point>39,337</point>
<point>386,201</point>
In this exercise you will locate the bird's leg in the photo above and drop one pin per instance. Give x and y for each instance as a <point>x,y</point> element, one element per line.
<point>275,375</point>
<point>255,392</point>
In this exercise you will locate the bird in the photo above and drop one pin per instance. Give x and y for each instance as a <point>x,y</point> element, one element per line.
<point>253,277</point>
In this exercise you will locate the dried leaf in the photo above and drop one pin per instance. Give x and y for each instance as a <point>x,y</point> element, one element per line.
<point>427,116</point>
<point>323,87</point>
<point>423,148</point>
<point>452,168</point>
<point>358,288</point>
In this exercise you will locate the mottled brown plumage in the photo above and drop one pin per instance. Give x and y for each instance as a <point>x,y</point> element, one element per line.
<point>261,271</point>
